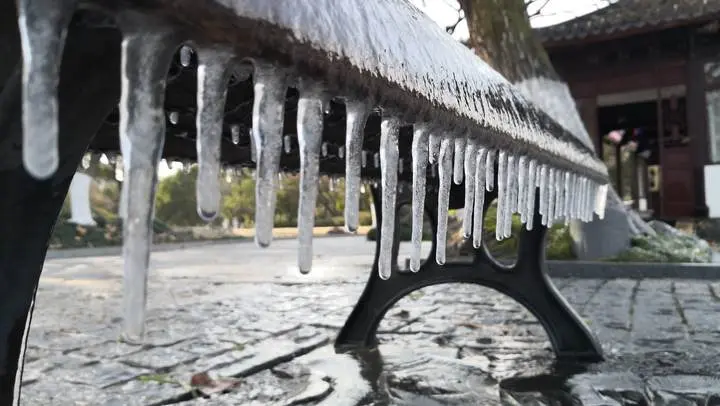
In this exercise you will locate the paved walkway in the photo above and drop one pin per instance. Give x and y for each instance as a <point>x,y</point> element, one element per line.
<point>237,311</point>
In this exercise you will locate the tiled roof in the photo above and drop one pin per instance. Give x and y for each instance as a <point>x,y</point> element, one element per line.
<point>625,15</point>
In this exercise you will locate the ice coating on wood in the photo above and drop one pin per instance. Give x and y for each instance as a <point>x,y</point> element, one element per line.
<point>554,98</point>
<point>372,35</point>
<point>212,76</point>
<point>389,154</point>
<point>479,199</point>
<point>459,159</point>
<point>357,114</point>
<point>267,138</point>
<point>470,158</point>
<point>419,162</point>
<point>309,128</point>
<point>501,195</point>
<point>43,27</point>
<point>145,61</point>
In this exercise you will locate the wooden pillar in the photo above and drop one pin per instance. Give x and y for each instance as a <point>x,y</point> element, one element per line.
<point>661,150</point>
<point>697,128</point>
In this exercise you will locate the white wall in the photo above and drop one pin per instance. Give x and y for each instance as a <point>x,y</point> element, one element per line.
<point>80,212</point>
<point>712,190</point>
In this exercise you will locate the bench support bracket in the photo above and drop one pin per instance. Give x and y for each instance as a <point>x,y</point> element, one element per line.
<point>526,282</point>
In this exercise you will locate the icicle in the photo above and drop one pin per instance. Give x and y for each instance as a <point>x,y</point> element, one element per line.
<point>357,114</point>
<point>470,156</point>
<point>479,200</point>
<point>601,201</point>
<point>568,195</point>
<point>510,195</point>
<point>434,146</point>
<point>212,88</point>
<point>43,27</point>
<point>235,133</point>
<point>309,127</point>
<point>389,131</point>
<point>490,170</point>
<point>401,165</point>
<point>501,195</point>
<point>530,197</point>
<point>324,149</point>
<point>459,158</point>
<point>521,207</point>
<point>559,196</point>
<point>419,162</point>
<point>576,207</point>
<point>185,56</point>
<point>341,152</point>
<point>331,184</point>
<point>376,159</point>
<point>287,143</point>
<point>543,182</point>
<point>267,133</point>
<point>146,57</point>
<point>551,197</point>
<point>174,117</point>
<point>445,163</point>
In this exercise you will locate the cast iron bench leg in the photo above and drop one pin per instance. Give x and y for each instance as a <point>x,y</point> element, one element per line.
<point>526,282</point>
<point>29,207</point>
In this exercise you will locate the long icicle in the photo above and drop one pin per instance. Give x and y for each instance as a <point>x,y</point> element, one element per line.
<point>543,182</point>
<point>267,137</point>
<point>146,58</point>
<point>511,195</point>
<point>309,128</point>
<point>357,114</point>
<point>479,200</point>
<point>434,146</point>
<point>213,75</point>
<point>459,158</point>
<point>551,197</point>
<point>501,195</point>
<point>43,27</point>
<point>531,192</point>
<point>445,168</point>
<point>419,161</point>
<point>389,155</point>
<point>490,170</point>
<point>521,188</point>
<point>470,163</point>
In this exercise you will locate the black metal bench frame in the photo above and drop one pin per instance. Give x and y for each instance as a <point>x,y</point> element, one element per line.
<point>527,282</point>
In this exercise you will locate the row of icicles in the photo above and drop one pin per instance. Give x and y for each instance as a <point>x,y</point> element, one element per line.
<point>147,51</point>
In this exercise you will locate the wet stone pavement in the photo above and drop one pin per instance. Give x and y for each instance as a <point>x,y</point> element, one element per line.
<point>235,311</point>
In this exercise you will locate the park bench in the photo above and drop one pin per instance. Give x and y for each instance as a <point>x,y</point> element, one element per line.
<point>370,90</point>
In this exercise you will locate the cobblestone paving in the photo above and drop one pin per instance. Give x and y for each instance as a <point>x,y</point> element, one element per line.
<point>451,344</point>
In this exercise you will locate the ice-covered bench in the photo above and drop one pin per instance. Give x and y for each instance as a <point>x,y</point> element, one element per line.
<point>364,89</point>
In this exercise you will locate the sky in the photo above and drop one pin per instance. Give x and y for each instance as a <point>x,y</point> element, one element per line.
<point>445,12</point>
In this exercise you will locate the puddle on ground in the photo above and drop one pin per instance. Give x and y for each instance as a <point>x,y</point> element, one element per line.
<point>398,374</point>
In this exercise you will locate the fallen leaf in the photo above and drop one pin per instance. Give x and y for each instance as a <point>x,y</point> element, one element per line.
<point>206,385</point>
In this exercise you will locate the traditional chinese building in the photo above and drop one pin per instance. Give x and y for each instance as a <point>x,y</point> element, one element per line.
<point>646,78</point>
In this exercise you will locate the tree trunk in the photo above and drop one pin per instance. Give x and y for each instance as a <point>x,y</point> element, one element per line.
<point>500,34</point>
